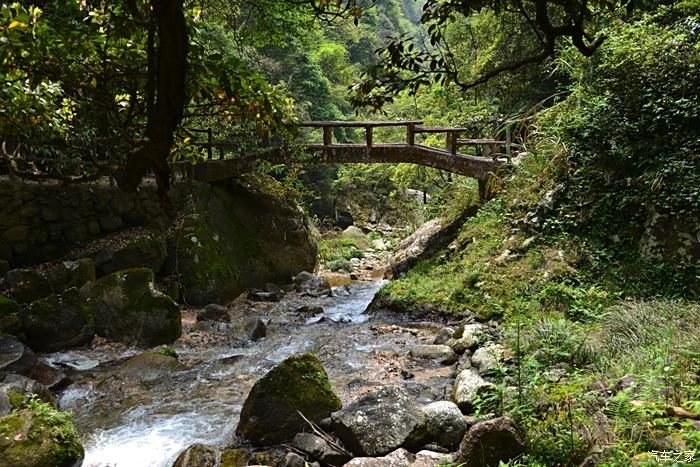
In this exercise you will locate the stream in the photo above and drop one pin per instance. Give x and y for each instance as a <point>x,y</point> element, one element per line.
<point>147,422</point>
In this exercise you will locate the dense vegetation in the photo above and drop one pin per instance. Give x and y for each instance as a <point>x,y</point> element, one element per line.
<point>588,253</point>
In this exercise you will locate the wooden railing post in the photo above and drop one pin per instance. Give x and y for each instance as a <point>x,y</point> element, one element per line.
<point>368,131</point>
<point>411,134</point>
<point>451,142</point>
<point>327,136</point>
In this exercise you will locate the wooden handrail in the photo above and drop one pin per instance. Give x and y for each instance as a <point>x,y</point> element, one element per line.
<point>356,124</point>
<point>439,129</point>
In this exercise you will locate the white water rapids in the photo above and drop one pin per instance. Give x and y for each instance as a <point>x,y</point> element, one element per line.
<point>147,423</point>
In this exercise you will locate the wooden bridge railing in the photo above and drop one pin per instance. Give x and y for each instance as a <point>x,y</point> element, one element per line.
<point>413,127</point>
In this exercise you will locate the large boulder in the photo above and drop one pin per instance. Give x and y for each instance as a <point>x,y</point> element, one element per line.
<point>426,241</point>
<point>28,438</point>
<point>15,357</point>
<point>68,274</point>
<point>469,387</point>
<point>236,235</point>
<point>27,285</point>
<point>446,424</point>
<point>58,322</point>
<point>381,422</point>
<point>128,308</point>
<point>144,250</point>
<point>10,321</point>
<point>490,442</point>
<point>270,412</point>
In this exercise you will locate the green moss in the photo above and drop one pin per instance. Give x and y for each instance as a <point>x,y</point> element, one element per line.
<point>167,351</point>
<point>38,435</point>
<point>7,306</point>
<point>16,399</point>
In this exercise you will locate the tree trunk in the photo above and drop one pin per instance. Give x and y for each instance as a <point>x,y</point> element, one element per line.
<point>164,116</point>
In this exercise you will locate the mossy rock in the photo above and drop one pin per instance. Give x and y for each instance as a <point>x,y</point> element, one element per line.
<point>69,274</point>
<point>198,455</point>
<point>234,458</point>
<point>58,322</point>
<point>144,251</point>
<point>38,436</point>
<point>270,412</point>
<point>27,285</point>
<point>236,235</point>
<point>10,322</point>
<point>128,308</point>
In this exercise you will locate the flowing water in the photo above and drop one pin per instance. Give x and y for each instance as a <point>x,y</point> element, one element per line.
<point>147,422</point>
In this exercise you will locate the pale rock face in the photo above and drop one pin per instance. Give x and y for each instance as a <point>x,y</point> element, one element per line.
<point>467,387</point>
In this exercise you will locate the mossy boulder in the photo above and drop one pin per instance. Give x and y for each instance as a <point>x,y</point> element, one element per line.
<point>27,285</point>
<point>270,412</point>
<point>10,322</point>
<point>198,455</point>
<point>38,435</point>
<point>236,235</point>
<point>128,308</point>
<point>145,250</point>
<point>58,322</point>
<point>68,274</point>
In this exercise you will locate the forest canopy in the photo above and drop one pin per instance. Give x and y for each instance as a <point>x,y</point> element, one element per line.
<point>94,88</point>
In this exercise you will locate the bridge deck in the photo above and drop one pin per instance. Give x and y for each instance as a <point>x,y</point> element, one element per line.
<point>480,168</point>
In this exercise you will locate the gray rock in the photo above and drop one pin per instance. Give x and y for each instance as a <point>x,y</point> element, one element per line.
<point>398,458</point>
<point>443,335</point>
<point>487,359</point>
<point>147,251</point>
<point>58,322</point>
<point>381,422</point>
<point>270,412</point>
<point>214,312</point>
<point>27,285</point>
<point>305,282</point>
<point>249,329</point>
<point>263,296</point>
<point>14,386</point>
<point>431,459</point>
<point>446,424</point>
<point>467,337</point>
<point>490,442</point>
<point>149,366</point>
<point>15,357</point>
<point>468,386</point>
<point>292,459</point>
<point>128,308</point>
<point>439,353</point>
<point>319,449</point>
